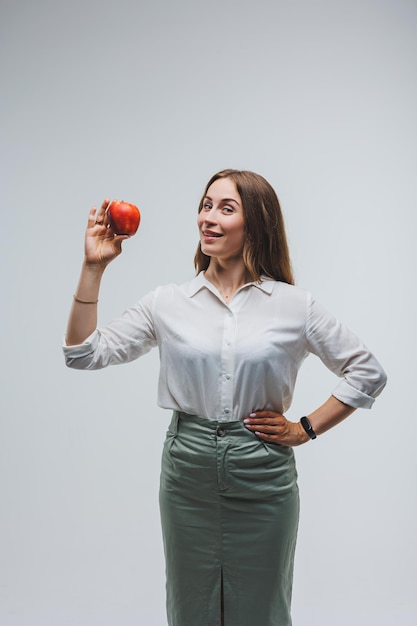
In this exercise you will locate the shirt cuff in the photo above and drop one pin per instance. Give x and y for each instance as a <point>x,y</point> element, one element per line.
<point>83,349</point>
<point>352,397</point>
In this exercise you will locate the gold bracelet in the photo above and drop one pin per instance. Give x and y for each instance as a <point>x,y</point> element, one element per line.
<point>84,301</point>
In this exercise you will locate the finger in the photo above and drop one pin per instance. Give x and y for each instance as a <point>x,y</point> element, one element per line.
<point>263,414</point>
<point>268,430</point>
<point>267,437</point>
<point>92,217</point>
<point>101,215</point>
<point>261,421</point>
<point>118,240</point>
<point>263,435</point>
<point>253,421</point>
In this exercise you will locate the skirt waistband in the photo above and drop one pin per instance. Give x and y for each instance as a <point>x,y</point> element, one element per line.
<point>215,426</point>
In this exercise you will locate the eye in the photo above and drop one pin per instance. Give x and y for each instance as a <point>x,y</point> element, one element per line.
<point>207,206</point>
<point>228,210</point>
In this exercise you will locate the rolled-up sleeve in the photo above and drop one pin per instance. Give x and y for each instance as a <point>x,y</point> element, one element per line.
<point>123,340</point>
<point>362,376</point>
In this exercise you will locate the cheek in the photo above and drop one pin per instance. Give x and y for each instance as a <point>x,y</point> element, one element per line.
<point>238,231</point>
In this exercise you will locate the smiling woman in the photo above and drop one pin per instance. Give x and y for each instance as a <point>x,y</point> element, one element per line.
<point>221,223</point>
<point>231,343</point>
<point>265,248</point>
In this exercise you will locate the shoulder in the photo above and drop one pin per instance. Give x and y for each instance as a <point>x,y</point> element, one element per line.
<point>291,293</point>
<point>288,303</point>
<point>167,294</point>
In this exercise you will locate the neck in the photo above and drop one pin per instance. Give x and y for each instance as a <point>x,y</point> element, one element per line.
<point>227,279</point>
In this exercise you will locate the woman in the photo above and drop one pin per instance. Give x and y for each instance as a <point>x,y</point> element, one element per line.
<point>231,342</point>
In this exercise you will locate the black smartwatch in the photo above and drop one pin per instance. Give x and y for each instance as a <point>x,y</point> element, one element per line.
<point>305,423</point>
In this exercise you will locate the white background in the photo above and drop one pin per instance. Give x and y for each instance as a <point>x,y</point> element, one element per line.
<point>145,101</point>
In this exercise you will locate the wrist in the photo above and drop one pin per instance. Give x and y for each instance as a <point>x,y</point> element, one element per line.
<point>299,434</point>
<point>93,268</point>
<point>308,428</point>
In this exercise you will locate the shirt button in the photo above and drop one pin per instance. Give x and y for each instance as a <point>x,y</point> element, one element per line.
<point>227,411</point>
<point>220,431</point>
<point>227,376</point>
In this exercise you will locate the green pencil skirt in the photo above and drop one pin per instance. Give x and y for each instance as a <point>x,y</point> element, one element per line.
<point>229,511</point>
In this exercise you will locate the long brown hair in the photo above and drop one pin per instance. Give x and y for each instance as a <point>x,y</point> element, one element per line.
<point>265,251</point>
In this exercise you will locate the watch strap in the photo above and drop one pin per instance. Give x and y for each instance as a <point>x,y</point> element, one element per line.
<point>305,423</point>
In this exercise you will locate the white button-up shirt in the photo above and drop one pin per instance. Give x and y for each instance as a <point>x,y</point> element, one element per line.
<point>225,361</point>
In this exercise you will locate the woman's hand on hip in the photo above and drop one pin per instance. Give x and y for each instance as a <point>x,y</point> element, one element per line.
<point>101,244</point>
<point>273,427</point>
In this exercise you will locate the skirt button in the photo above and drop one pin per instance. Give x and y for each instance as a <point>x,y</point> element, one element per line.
<point>220,431</point>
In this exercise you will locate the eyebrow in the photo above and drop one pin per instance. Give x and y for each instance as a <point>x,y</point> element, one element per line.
<point>222,200</point>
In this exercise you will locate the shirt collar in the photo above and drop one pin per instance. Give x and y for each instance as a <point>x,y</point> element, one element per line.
<point>200,282</point>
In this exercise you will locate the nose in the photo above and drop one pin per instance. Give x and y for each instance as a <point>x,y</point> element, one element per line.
<point>207,216</point>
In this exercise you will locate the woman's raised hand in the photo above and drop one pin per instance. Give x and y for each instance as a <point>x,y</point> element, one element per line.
<point>101,244</point>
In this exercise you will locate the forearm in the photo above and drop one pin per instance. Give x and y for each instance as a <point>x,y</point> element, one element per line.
<point>82,319</point>
<point>329,414</point>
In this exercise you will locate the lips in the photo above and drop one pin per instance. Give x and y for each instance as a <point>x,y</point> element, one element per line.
<point>211,233</point>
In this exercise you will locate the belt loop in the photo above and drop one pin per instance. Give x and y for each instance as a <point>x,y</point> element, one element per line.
<point>175,422</point>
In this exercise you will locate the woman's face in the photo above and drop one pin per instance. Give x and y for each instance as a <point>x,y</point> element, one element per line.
<point>221,221</point>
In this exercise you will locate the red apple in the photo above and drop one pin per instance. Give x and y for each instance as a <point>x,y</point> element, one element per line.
<point>124,217</point>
